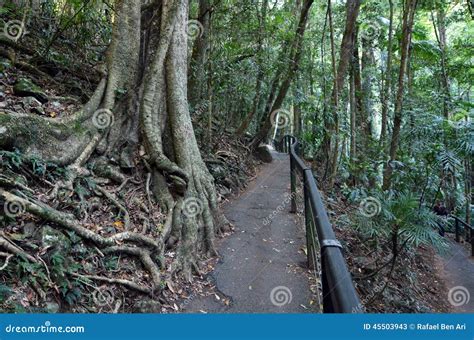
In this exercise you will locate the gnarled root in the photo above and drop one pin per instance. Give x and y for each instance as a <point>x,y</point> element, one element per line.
<point>146,248</point>
<point>75,169</point>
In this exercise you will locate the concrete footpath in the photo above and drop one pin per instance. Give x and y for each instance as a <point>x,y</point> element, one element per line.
<point>262,267</point>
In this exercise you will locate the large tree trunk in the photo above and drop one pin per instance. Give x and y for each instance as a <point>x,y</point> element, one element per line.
<point>408,18</point>
<point>154,111</point>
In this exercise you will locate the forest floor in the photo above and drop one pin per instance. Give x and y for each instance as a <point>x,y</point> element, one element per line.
<point>417,283</point>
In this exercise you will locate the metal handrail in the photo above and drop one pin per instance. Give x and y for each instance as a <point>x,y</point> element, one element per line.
<point>339,294</point>
<point>457,231</point>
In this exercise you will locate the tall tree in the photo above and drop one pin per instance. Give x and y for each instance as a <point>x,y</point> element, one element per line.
<point>153,75</point>
<point>331,137</point>
<point>439,25</point>
<point>294,58</point>
<point>407,27</point>
<point>197,71</point>
<point>387,83</point>
<point>262,16</point>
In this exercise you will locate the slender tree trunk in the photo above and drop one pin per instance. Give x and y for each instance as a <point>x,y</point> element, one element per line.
<point>333,55</point>
<point>388,80</point>
<point>468,185</point>
<point>353,111</point>
<point>440,32</point>
<point>260,75</point>
<point>408,18</point>
<point>368,62</point>
<point>346,50</point>
<point>295,55</point>
<point>200,56</point>
<point>297,118</point>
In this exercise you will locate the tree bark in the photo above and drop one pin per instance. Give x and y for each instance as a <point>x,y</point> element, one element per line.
<point>408,18</point>
<point>440,33</point>
<point>295,55</point>
<point>387,81</point>
<point>200,56</point>
<point>346,50</point>
<point>260,75</point>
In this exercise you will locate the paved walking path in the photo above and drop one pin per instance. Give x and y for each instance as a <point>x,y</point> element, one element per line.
<point>458,267</point>
<point>262,267</point>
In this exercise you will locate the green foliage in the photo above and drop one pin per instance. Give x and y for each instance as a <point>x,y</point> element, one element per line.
<point>401,211</point>
<point>15,160</point>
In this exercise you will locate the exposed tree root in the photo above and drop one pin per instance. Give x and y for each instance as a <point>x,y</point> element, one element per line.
<point>14,249</point>
<point>76,168</point>
<point>126,283</point>
<point>108,244</point>
<point>114,200</point>
<point>145,258</point>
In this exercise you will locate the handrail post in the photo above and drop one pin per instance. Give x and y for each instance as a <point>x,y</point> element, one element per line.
<point>456,229</point>
<point>472,242</point>
<point>327,301</point>
<point>293,184</point>
<point>308,223</point>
